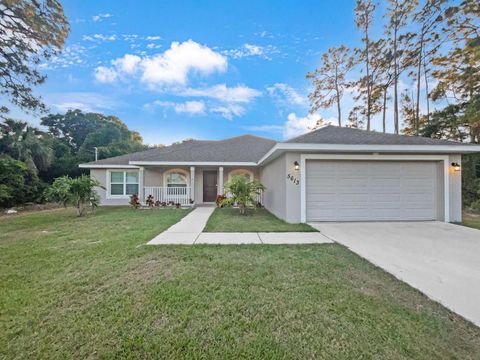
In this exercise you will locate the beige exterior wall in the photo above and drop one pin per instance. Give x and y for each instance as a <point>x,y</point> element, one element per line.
<point>455,183</point>
<point>155,176</point>
<point>273,177</point>
<point>283,195</point>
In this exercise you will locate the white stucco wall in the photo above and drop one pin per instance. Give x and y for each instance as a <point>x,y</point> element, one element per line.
<point>273,177</point>
<point>455,184</point>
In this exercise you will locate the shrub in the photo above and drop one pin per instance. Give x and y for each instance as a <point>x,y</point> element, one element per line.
<point>243,192</point>
<point>18,183</point>
<point>219,200</point>
<point>150,202</point>
<point>78,192</point>
<point>134,201</point>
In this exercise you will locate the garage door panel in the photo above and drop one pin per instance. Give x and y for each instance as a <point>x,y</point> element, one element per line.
<point>370,190</point>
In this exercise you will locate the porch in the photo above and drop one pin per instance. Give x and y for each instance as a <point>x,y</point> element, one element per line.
<point>189,186</point>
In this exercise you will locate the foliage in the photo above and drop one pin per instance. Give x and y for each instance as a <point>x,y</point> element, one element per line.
<point>150,201</point>
<point>134,201</point>
<point>78,192</point>
<point>242,192</point>
<point>82,131</point>
<point>330,80</point>
<point>30,32</point>
<point>19,184</point>
<point>219,199</point>
<point>26,143</point>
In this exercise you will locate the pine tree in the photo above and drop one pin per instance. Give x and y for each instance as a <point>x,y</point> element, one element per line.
<point>330,80</point>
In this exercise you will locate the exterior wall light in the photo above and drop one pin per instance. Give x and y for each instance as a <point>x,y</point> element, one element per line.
<point>297,165</point>
<point>456,166</point>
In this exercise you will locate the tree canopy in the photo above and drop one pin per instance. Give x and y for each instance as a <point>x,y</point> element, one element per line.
<point>31,31</point>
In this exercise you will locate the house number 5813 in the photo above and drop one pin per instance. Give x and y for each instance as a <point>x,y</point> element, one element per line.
<point>293,179</point>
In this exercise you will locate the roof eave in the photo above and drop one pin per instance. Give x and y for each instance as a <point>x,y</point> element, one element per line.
<point>420,149</point>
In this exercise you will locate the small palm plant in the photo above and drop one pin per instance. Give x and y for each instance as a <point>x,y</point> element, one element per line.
<point>242,192</point>
<point>78,192</point>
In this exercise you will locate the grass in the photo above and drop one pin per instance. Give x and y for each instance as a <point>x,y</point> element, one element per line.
<point>471,220</point>
<point>90,288</point>
<point>259,220</point>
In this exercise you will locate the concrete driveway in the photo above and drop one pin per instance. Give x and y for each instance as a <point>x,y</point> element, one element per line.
<point>441,260</point>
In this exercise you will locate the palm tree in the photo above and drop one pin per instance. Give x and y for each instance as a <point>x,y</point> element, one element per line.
<point>242,192</point>
<point>26,143</point>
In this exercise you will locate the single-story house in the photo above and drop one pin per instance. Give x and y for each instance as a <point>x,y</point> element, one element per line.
<point>331,174</point>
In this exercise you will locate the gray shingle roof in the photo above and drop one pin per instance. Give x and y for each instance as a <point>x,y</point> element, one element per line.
<point>246,148</point>
<point>349,136</point>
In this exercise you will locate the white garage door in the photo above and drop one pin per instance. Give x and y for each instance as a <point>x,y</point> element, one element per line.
<point>370,190</point>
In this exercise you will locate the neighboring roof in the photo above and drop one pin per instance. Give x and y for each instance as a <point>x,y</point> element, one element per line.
<point>350,136</point>
<point>245,148</point>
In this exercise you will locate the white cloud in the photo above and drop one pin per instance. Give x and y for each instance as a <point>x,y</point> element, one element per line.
<point>153,38</point>
<point>127,64</point>
<point>100,17</point>
<point>237,94</point>
<point>153,46</point>
<point>105,75</point>
<point>295,126</point>
<point>85,101</point>
<point>265,128</point>
<point>228,111</point>
<point>173,66</point>
<point>99,37</point>
<point>248,50</point>
<point>188,107</point>
<point>286,96</point>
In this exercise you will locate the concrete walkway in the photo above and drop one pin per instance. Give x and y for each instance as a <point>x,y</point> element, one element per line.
<point>188,231</point>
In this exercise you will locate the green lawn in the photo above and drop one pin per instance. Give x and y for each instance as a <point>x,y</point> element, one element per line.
<point>90,288</point>
<point>471,220</point>
<point>259,220</point>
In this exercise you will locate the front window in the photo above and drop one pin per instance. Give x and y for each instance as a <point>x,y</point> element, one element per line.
<point>176,183</point>
<point>245,173</point>
<point>123,183</point>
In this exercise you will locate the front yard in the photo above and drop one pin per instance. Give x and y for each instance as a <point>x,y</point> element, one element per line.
<point>90,287</point>
<point>471,220</point>
<point>259,220</point>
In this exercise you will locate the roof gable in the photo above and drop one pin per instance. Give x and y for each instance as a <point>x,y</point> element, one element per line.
<point>350,136</point>
<point>245,148</point>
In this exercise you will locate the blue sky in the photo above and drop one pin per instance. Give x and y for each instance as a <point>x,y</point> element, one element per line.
<point>197,69</point>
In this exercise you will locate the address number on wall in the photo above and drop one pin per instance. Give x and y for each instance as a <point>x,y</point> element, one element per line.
<point>293,179</point>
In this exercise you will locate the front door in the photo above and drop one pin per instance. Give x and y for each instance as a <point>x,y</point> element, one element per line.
<point>209,186</point>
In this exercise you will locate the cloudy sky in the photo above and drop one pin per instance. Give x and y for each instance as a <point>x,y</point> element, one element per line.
<point>197,69</point>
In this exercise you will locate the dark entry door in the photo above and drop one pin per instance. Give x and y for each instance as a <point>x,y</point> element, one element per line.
<point>209,186</point>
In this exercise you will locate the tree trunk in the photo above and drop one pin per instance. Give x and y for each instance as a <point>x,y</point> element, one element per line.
<point>427,95</point>
<point>395,81</point>
<point>367,60</point>
<point>419,74</point>
<point>384,110</point>
<point>337,90</point>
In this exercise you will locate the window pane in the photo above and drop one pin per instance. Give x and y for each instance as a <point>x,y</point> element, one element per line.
<point>176,179</point>
<point>132,177</point>
<point>116,176</point>
<point>132,189</point>
<point>116,189</point>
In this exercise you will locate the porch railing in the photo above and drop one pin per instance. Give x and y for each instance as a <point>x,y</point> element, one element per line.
<point>177,195</point>
<point>258,197</point>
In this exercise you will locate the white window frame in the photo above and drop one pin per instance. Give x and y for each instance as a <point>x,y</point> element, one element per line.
<point>124,195</point>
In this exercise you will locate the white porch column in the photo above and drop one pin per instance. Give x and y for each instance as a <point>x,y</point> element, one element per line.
<point>141,184</point>
<point>220,181</point>
<point>192,183</point>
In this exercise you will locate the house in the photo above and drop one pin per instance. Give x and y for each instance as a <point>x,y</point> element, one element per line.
<point>331,174</point>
